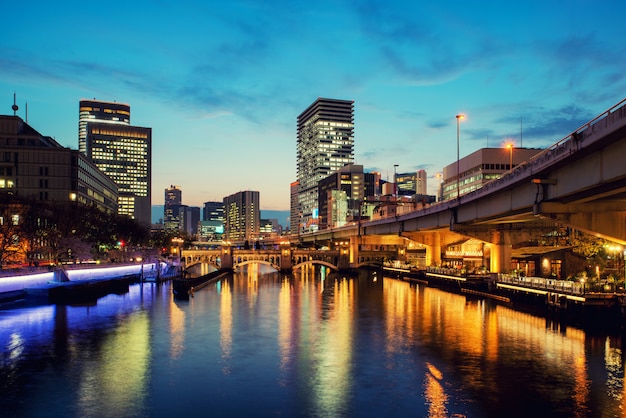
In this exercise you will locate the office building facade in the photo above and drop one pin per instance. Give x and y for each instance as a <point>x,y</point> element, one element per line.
<point>409,184</point>
<point>36,167</point>
<point>294,208</point>
<point>124,153</point>
<point>99,111</point>
<point>242,216</point>
<point>480,167</point>
<point>325,143</point>
<point>173,200</point>
<point>340,196</point>
<point>213,211</point>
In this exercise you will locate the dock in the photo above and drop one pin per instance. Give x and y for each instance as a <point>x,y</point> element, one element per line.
<point>183,288</point>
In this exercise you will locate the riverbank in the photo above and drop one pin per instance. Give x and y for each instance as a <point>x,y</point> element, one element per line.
<point>559,299</point>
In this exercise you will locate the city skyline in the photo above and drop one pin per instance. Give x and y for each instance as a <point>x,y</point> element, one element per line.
<point>221,85</point>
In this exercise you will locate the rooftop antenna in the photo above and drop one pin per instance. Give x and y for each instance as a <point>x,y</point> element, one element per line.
<point>14,107</point>
<point>521,141</point>
<point>26,103</point>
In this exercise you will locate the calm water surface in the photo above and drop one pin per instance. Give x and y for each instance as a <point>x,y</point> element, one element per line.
<point>309,345</point>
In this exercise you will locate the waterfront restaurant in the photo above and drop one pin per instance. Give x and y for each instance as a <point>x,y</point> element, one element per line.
<point>547,261</point>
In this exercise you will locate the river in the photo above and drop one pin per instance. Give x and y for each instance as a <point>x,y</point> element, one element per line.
<point>312,344</point>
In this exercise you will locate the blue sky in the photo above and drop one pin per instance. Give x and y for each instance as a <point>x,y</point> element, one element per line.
<point>222,83</point>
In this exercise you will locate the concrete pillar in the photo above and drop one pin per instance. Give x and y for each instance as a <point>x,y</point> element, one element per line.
<point>501,249</point>
<point>226,257</point>
<point>433,250</point>
<point>285,258</point>
<point>355,245</point>
<point>343,263</point>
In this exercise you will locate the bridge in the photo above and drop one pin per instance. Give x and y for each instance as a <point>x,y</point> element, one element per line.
<point>283,257</point>
<point>579,182</point>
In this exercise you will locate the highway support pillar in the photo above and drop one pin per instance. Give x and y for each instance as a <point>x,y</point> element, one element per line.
<point>501,248</point>
<point>285,257</point>
<point>433,249</point>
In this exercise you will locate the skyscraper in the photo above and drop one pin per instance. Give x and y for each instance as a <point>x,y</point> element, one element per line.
<point>325,144</point>
<point>243,216</point>
<point>122,152</point>
<point>409,184</point>
<point>98,111</point>
<point>422,188</point>
<point>171,208</point>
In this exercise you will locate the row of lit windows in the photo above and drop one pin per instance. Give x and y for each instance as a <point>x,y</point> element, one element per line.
<point>6,184</point>
<point>15,220</point>
<point>119,132</point>
<point>120,142</point>
<point>86,109</point>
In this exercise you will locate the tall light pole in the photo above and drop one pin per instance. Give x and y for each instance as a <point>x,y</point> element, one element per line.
<point>458,156</point>
<point>395,181</point>
<point>509,145</point>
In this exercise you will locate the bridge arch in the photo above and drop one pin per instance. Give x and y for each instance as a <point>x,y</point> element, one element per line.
<point>267,263</point>
<point>369,263</point>
<point>216,265</point>
<point>312,262</point>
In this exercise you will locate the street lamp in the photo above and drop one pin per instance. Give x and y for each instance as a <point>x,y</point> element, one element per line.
<point>178,241</point>
<point>510,147</point>
<point>458,156</point>
<point>395,180</point>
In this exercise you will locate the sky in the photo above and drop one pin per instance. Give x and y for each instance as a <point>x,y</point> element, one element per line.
<point>221,84</point>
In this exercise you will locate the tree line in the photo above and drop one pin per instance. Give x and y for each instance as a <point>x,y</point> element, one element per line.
<point>36,232</point>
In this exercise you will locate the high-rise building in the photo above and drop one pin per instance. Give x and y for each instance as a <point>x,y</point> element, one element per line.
<point>294,208</point>
<point>122,152</point>
<point>171,208</point>
<point>213,211</point>
<point>242,216</point>
<point>422,188</point>
<point>340,196</point>
<point>190,216</point>
<point>99,111</point>
<point>409,184</point>
<point>325,144</point>
<point>36,167</point>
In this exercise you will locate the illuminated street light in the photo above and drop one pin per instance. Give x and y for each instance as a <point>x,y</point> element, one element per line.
<point>178,242</point>
<point>510,147</point>
<point>458,156</point>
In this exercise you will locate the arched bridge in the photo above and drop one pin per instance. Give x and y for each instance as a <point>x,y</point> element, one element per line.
<point>283,258</point>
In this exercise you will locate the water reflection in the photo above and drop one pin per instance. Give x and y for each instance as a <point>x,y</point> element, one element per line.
<point>115,379</point>
<point>309,344</point>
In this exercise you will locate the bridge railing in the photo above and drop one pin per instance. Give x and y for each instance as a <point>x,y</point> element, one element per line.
<point>559,150</point>
<point>556,285</point>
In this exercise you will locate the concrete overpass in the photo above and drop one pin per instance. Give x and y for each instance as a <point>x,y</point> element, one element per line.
<point>579,182</point>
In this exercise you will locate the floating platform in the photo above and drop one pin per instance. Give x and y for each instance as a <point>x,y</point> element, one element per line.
<point>78,291</point>
<point>183,288</point>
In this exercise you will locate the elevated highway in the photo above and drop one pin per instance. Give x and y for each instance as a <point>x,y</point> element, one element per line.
<point>579,182</point>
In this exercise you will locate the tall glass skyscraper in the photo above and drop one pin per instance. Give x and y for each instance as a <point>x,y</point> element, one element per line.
<point>325,144</point>
<point>171,209</point>
<point>242,216</point>
<point>98,111</point>
<point>121,151</point>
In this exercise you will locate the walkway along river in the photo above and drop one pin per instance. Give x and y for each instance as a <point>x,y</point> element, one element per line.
<point>257,343</point>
